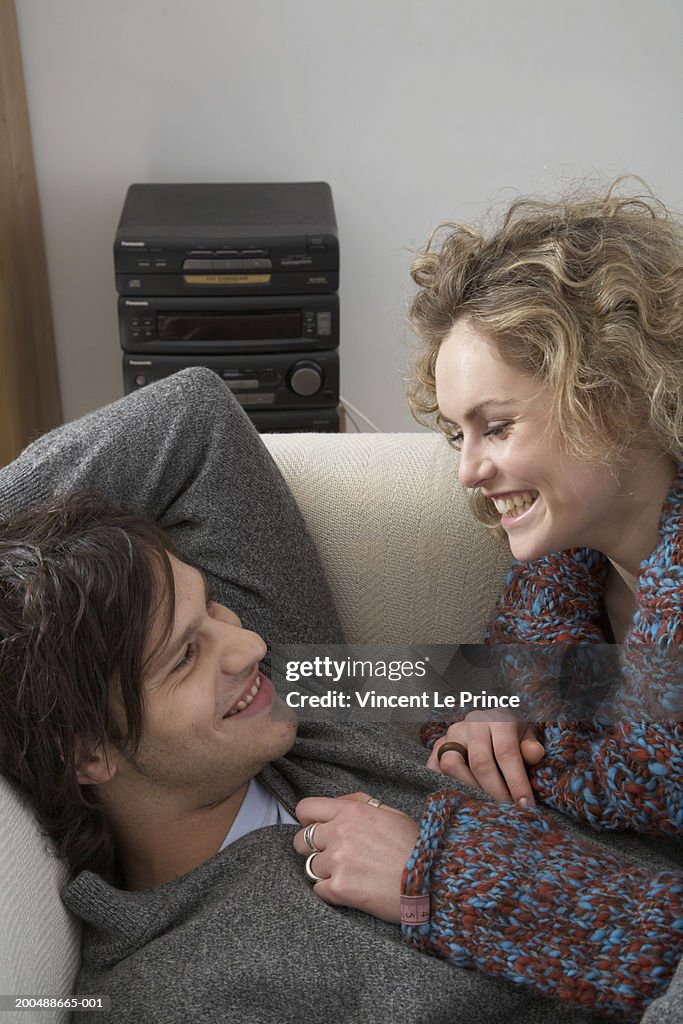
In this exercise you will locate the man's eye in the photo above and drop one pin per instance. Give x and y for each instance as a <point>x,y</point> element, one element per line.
<point>187,657</point>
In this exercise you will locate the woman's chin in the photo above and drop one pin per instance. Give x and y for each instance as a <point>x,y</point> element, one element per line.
<point>528,548</point>
<point>527,537</point>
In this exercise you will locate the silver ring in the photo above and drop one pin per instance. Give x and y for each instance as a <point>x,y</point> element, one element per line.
<point>309,870</point>
<point>308,837</point>
<point>374,802</point>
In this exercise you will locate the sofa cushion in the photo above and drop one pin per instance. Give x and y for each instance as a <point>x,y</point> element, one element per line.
<point>406,561</point>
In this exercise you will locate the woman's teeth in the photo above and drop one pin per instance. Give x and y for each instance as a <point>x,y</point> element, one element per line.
<point>245,701</point>
<point>516,503</point>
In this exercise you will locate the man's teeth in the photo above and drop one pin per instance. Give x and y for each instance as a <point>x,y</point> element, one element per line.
<point>245,701</point>
<point>516,503</point>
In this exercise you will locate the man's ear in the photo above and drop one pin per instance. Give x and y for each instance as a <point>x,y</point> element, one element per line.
<point>93,765</point>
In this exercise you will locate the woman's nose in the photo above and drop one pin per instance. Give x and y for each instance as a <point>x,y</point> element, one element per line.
<point>475,468</point>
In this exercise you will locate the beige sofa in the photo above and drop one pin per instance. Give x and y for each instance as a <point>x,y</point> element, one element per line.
<point>407,564</point>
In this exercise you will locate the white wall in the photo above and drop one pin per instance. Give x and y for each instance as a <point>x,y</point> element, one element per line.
<point>413,111</point>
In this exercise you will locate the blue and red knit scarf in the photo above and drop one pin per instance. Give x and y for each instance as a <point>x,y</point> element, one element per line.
<point>618,764</point>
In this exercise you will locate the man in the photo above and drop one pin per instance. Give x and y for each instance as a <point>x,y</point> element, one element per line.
<point>162,763</point>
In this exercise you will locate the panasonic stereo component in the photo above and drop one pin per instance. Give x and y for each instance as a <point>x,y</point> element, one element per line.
<point>161,324</point>
<point>263,383</point>
<point>241,278</point>
<point>227,239</point>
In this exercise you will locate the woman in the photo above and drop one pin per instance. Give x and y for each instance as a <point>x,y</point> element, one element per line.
<point>553,360</point>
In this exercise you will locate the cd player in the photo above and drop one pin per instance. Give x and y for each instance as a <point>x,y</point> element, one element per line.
<point>223,239</point>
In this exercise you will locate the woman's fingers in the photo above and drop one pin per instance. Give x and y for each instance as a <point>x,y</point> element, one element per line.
<point>508,755</point>
<point>492,752</point>
<point>320,811</point>
<point>532,749</point>
<point>363,851</point>
<point>498,753</point>
<point>316,808</point>
<point>454,765</point>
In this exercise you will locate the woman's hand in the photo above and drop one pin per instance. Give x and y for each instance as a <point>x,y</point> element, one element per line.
<point>364,850</point>
<point>499,749</point>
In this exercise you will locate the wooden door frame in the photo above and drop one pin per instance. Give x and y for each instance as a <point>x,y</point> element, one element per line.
<point>29,384</point>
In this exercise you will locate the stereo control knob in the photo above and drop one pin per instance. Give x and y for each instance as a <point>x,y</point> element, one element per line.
<point>306,378</point>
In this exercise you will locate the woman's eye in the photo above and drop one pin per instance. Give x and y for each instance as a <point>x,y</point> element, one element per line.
<point>455,437</point>
<point>187,657</point>
<point>497,430</point>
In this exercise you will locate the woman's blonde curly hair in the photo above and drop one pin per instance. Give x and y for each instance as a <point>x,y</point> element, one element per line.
<point>585,294</point>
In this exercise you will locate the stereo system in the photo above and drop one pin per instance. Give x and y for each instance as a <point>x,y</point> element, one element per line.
<point>239,278</point>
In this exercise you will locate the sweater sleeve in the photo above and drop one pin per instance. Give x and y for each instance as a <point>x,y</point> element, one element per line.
<point>622,776</point>
<point>513,896</point>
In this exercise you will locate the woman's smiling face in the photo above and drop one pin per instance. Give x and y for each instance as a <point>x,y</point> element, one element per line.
<point>512,451</point>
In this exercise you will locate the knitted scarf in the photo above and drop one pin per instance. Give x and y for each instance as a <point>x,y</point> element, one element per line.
<point>558,598</point>
<point>627,774</point>
<point>612,730</point>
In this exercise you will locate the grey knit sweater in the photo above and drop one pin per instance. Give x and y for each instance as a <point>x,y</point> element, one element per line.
<point>242,938</point>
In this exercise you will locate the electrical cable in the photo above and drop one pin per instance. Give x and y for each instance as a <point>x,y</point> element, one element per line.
<point>348,406</point>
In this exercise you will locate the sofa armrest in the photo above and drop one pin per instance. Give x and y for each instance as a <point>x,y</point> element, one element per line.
<point>39,938</point>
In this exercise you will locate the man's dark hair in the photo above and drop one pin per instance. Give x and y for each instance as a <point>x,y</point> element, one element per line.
<point>81,582</point>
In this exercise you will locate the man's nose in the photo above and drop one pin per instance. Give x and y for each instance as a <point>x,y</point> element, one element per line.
<point>240,649</point>
<point>475,467</point>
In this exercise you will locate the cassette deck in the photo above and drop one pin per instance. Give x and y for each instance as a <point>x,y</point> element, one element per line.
<point>273,381</point>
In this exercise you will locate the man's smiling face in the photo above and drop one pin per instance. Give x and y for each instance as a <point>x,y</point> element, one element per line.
<point>210,718</point>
